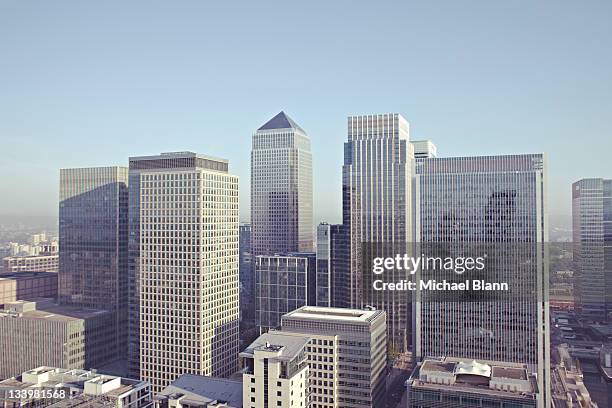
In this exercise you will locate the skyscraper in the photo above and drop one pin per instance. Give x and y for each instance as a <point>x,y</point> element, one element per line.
<point>93,254</point>
<point>281,209</point>
<point>281,188</point>
<point>332,266</point>
<point>246,269</point>
<point>285,282</point>
<point>186,264</point>
<point>592,236</point>
<point>377,205</point>
<point>496,205</point>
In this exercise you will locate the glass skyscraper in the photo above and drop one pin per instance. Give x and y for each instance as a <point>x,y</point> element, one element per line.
<point>183,266</point>
<point>285,282</point>
<point>592,236</point>
<point>281,188</point>
<point>93,236</point>
<point>495,205</point>
<point>377,209</point>
<point>281,210</point>
<point>333,258</point>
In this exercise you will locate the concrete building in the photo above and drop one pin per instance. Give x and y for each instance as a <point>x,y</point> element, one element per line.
<point>346,354</point>
<point>424,149</point>
<point>44,333</point>
<point>75,388</point>
<point>281,188</point>
<point>592,237</point>
<point>495,208</point>
<point>27,286</point>
<point>187,266</point>
<point>333,258</point>
<point>39,263</point>
<point>567,381</point>
<point>275,372</point>
<point>189,391</point>
<point>93,212</point>
<point>284,283</point>
<point>446,382</point>
<point>377,210</point>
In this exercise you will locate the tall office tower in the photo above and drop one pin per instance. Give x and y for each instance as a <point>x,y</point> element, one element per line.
<point>186,264</point>
<point>333,253</point>
<point>275,372</point>
<point>93,237</point>
<point>492,207</point>
<point>347,354</point>
<point>281,188</point>
<point>592,233</point>
<point>247,280</point>
<point>377,210</point>
<point>285,282</point>
<point>424,149</point>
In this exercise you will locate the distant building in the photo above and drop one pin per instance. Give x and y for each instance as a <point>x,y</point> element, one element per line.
<point>275,372</point>
<point>76,388</point>
<point>592,236</point>
<point>347,354</point>
<point>247,278</point>
<point>285,282</point>
<point>281,188</point>
<point>424,149</point>
<point>567,380</point>
<point>333,259</point>
<point>189,391</point>
<point>184,223</point>
<point>446,382</point>
<point>44,333</point>
<point>27,286</point>
<point>93,235</point>
<point>39,263</point>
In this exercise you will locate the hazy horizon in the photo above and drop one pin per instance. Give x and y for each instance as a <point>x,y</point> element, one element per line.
<point>90,84</point>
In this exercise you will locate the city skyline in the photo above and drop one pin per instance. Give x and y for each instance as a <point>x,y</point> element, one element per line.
<point>528,86</point>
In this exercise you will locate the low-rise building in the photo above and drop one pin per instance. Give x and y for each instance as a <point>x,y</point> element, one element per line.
<point>66,388</point>
<point>43,333</point>
<point>190,390</point>
<point>275,372</point>
<point>26,286</point>
<point>39,263</point>
<point>451,382</point>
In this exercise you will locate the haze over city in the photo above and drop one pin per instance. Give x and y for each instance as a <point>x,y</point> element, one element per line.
<point>90,84</point>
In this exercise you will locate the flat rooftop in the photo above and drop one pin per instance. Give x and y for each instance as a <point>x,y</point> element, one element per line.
<point>289,346</point>
<point>502,379</point>
<point>204,390</point>
<point>333,314</point>
<point>26,275</point>
<point>50,311</point>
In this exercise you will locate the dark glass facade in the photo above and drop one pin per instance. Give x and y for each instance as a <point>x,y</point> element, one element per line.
<point>93,243</point>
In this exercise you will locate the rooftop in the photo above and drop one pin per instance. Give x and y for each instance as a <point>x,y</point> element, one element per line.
<point>332,313</point>
<point>204,390</point>
<point>26,275</point>
<point>484,377</point>
<point>281,121</point>
<point>289,346</point>
<point>45,309</point>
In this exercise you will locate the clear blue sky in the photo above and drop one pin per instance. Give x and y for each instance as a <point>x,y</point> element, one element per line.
<point>91,83</point>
